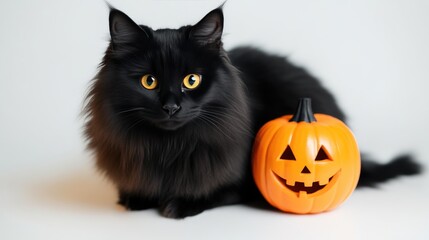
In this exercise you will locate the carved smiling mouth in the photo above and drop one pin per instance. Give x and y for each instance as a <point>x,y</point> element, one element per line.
<point>308,189</point>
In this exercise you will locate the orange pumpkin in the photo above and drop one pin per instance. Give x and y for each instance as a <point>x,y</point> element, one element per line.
<point>306,163</point>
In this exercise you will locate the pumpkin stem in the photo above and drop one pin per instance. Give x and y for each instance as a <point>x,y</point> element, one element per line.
<point>304,113</point>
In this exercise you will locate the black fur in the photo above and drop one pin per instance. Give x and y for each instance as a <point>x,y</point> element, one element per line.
<point>373,172</point>
<point>198,157</point>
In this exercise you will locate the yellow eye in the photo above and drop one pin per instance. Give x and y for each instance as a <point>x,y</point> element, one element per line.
<point>149,82</point>
<point>192,81</point>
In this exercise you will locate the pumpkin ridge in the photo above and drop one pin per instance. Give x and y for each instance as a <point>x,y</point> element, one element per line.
<point>276,127</point>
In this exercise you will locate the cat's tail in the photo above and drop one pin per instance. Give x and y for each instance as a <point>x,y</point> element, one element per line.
<point>373,172</point>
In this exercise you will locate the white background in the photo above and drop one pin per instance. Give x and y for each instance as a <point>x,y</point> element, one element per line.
<point>373,54</point>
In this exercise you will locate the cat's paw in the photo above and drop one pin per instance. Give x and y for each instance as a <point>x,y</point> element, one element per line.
<point>179,209</point>
<point>134,203</point>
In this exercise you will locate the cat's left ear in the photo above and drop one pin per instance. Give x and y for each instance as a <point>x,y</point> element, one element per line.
<point>209,30</point>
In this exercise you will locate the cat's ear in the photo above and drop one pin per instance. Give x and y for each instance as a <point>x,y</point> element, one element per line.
<point>209,29</point>
<point>123,30</point>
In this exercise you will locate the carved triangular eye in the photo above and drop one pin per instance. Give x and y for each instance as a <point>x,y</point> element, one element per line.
<point>322,154</point>
<point>288,154</point>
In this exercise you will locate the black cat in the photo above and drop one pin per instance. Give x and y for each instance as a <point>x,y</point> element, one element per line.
<point>171,115</point>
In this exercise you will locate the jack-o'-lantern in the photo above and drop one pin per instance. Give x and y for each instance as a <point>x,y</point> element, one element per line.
<point>305,163</point>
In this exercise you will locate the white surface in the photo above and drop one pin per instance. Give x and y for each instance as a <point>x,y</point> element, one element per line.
<point>372,54</point>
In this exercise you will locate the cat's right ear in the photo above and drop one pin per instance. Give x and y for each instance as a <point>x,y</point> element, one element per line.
<point>123,30</point>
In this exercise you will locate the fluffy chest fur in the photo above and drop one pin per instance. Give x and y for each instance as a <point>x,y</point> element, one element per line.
<point>165,164</point>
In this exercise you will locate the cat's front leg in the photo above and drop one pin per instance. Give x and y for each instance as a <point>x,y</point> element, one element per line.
<point>181,208</point>
<point>134,202</point>
<point>185,207</point>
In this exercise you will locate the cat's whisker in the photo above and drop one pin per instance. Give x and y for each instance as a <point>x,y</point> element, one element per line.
<point>220,116</point>
<point>131,110</point>
<point>231,112</point>
<point>225,111</point>
<point>224,114</point>
<point>212,123</point>
<point>133,125</point>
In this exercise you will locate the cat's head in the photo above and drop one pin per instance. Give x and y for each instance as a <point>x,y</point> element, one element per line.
<point>166,78</point>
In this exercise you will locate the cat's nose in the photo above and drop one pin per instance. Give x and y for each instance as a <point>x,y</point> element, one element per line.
<point>171,109</point>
